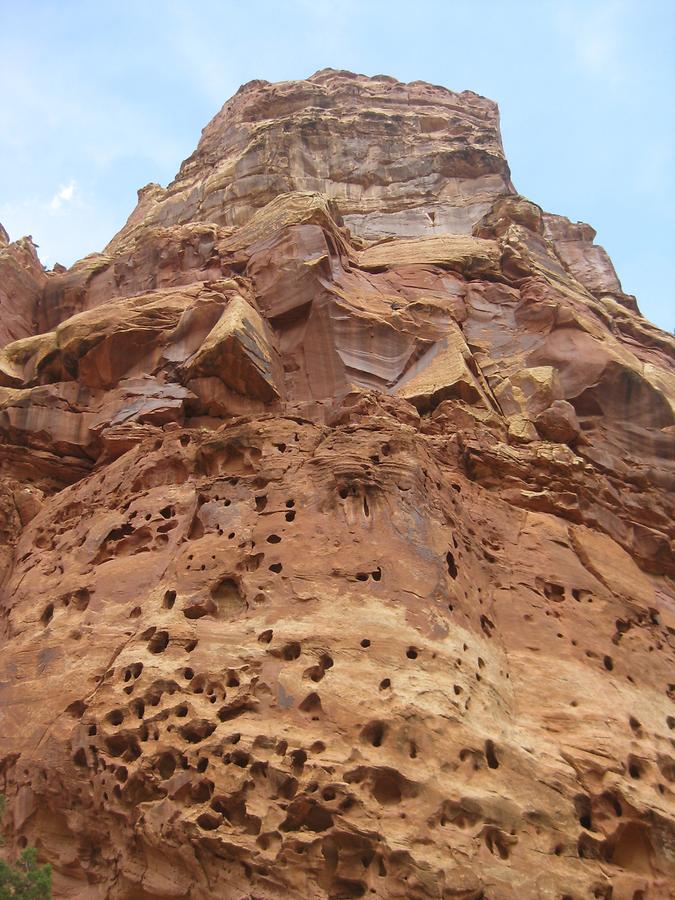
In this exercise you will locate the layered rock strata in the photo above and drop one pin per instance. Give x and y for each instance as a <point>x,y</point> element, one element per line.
<point>336,521</point>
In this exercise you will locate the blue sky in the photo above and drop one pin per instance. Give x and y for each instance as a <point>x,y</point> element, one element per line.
<point>100,98</point>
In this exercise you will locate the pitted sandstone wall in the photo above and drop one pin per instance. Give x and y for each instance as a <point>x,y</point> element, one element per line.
<point>336,522</point>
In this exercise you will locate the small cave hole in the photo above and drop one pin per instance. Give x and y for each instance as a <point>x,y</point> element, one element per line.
<point>582,806</point>
<point>491,755</point>
<point>166,765</point>
<point>311,703</point>
<point>614,802</point>
<point>291,650</point>
<point>80,758</point>
<point>487,625</point>
<point>299,757</point>
<point>76,709</point>
<point>635,768</point>
<point>374,733</point>
<point>158,642</point>
<point>209,821</point>
<point>197,730</point>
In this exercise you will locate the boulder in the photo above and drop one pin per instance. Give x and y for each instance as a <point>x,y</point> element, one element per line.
<point>558,423</point>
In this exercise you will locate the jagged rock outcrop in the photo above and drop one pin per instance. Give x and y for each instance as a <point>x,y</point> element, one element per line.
<point>22,279</point>
<point>400,159</point>
<point>336,527</point>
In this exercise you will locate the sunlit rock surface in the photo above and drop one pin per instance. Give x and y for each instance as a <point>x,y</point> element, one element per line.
<point>336,527</point>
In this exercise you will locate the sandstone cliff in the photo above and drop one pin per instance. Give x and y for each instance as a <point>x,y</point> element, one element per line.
<point>336,523</point>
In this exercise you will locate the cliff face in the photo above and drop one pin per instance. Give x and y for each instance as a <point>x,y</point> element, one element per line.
<point>336,521</point>
<point>401,159</point>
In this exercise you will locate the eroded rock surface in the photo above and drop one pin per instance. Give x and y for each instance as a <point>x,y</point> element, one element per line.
<point>336,527</point>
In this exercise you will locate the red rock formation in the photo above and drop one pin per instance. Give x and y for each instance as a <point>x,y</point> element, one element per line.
<point>336,514</point>
<point>22,279</point>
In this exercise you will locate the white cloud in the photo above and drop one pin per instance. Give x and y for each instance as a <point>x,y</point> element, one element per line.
<point>65,194</point>
<point>596,35</point>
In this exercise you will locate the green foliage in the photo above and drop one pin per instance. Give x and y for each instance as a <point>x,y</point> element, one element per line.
<point>27,880</point>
